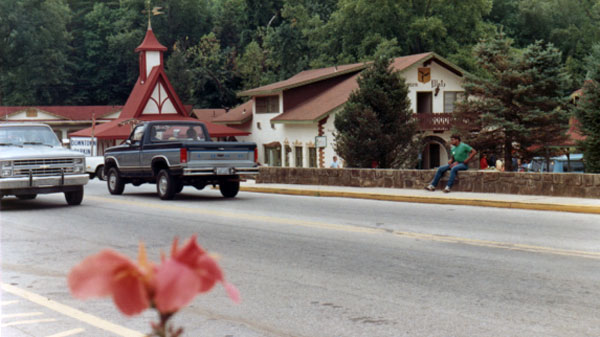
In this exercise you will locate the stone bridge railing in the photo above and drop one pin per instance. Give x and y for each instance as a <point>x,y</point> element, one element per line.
<point>549,184</point>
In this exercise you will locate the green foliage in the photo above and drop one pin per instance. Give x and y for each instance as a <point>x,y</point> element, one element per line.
<point>587,112</point>
<point>520,101</point>
<point>376,124</point>
<point>35,43</point>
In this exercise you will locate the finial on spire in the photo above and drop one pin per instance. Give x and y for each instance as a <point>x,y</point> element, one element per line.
<point>154,11</point>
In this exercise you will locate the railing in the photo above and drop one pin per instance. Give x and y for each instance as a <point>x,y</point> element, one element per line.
<point>434,121</point>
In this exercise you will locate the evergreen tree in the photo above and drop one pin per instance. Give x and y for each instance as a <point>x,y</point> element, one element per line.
<point>588,113</point>
<point>376,124</point>
<point>519,102</point>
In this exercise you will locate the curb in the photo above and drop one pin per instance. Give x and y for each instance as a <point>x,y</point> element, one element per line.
<point>430,200</point>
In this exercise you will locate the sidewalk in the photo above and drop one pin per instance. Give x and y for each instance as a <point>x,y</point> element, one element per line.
<point>532,202</point>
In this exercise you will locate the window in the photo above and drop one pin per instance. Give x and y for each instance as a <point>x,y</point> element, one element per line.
<point>138,133</point>
<point>267,104</point>
<point>286,160</point>
<point>312,157</point>
<point>298,156</point>
<point>272,155</point>
<point>450,98</point>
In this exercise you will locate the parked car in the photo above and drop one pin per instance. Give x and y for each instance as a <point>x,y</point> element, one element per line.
<point>560,164</point>
<point>174,154</point>
<point>33,161</point>
<point>94,166</point>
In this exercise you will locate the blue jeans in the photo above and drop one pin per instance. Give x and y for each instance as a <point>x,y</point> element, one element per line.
<point>442,169</point>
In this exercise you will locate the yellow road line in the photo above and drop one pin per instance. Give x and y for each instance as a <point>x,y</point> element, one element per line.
<point>71,312</point>
<point>68,333</point>
<point>24,314</point>
<point>357,229</point>
<point>30,321</point>
<point>590,209</point>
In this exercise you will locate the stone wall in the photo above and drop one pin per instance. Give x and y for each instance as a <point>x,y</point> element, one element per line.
<point>550,184</point>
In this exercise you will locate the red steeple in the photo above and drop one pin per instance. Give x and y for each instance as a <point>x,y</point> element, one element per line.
<point>149,46</point>
<point>150,42</point>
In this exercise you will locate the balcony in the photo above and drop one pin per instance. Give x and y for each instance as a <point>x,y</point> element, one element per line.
<point>434,121</point>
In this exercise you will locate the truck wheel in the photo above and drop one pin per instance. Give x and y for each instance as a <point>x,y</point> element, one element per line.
<point>229,189</point>
<point>100,173</point>
<point>166,185</point>
<point>115,182</point>
<point>179,187</point>
<point>74,197</point>
<point>27,196</point>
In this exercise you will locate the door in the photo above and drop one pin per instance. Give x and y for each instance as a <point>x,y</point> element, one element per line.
<point>424,102</point>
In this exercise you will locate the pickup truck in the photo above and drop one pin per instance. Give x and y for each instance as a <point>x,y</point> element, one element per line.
<point>174,154</point>
<point>94,166</point>
<point>32,161</point>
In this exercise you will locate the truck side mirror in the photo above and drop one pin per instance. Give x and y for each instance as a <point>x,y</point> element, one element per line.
<point>128,142</point>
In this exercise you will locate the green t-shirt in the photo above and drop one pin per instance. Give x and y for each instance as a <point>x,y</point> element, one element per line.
<point>461,152</point>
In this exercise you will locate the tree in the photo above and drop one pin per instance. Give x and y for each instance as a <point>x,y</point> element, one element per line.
<point>520,101</point>
<point>587,112</point>
<point>376,124</point>
<point>34,63</point>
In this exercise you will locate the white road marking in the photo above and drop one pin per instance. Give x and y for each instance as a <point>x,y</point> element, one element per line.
<point>72,312</point>
<point>23,314</point>
<point>8,302</point>
<point>29,321</point>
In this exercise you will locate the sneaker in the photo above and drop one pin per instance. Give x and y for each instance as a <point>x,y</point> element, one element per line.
<point>446,189</point>
<point>430,188</point>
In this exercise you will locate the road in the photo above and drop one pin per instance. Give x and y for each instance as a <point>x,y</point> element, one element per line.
<point>309,266</point>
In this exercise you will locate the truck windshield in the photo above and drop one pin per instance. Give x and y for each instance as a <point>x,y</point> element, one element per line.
<point>27,135</point>
<point>176,132</point>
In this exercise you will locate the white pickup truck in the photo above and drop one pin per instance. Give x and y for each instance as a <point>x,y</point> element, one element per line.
<point>94,166</point>
<point>32,161</point>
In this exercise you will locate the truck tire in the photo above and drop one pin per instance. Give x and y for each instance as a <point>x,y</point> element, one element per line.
<point>229,188</point>
<point>74,197</point>
<point>100,173</point>
<point>115,183</point>
<point>27,196</point>
<point>166,185</point>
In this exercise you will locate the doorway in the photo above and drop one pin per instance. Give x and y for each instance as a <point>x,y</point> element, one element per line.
<point>425,102</point>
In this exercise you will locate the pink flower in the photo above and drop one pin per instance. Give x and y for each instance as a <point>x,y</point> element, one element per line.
<point>168,287</point>
<point>109,273</point>
<point>189,271</point>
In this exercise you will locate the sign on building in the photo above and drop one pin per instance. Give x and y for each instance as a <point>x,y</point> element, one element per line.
<point>85,145</point>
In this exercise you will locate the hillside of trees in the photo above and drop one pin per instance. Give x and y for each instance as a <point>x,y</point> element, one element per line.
<point>74,52</point>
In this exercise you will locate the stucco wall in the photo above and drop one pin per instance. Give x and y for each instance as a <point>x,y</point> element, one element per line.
<point>551,184</point>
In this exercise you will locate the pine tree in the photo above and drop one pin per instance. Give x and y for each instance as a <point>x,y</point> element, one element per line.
<point>376,124</point>
<point>520,102</point>
<point>588,113</point>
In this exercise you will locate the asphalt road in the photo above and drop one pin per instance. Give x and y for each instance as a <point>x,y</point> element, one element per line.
<point>308,266</point>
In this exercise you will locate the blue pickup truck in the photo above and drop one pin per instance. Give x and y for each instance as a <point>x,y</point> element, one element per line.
<point>174,154</point>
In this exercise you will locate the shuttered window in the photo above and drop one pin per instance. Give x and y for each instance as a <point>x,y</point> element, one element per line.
<point>450,98</point>
<point>267,104</point>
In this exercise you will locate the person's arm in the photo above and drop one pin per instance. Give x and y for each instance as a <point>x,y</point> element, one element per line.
<point>471,155</point>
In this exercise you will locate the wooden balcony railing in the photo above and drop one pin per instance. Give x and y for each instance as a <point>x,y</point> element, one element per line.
<point>434,121</point>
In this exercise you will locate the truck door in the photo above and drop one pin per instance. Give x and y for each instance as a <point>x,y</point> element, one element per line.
<point>130,158</point>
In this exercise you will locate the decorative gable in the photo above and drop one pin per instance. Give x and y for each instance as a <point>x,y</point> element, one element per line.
<point>160,101</point>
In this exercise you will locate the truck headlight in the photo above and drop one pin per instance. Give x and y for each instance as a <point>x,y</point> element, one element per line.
<point>78,161</point>
<point>78,169</point>
<point>6,169</point>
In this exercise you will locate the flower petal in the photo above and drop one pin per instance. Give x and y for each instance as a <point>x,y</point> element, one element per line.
<point>232,291</point>
<point>130,294</point>
<point>94,275</point>
<point>176,286</point>
<point>189,252</point>
<point>209,272</point>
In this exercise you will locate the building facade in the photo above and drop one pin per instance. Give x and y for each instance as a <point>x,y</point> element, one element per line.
<point>292,121</point>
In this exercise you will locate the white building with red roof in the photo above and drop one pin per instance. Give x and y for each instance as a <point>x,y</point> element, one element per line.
<point>292,120</point>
